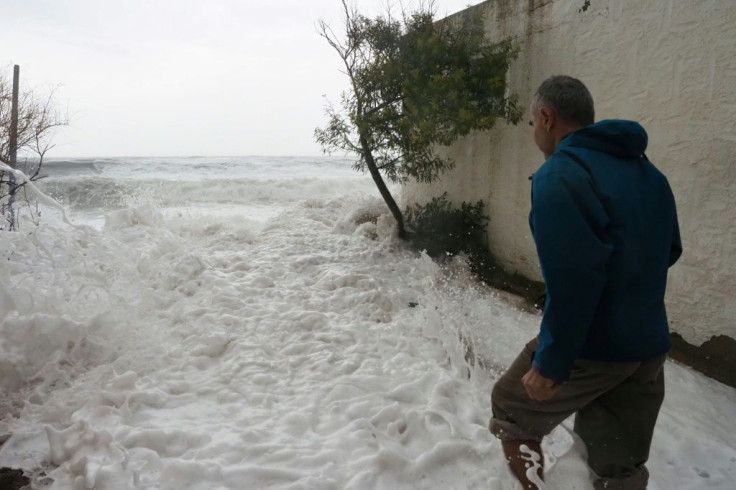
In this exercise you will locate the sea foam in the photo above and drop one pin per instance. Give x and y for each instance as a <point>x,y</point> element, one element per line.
<point>308,349</point>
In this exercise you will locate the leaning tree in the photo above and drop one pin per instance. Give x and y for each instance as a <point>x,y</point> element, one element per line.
<point>415,84</point>
<point>37,117</point>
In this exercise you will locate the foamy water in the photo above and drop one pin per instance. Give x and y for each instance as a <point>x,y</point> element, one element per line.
<point>256,187</point>
<point>238,325</point>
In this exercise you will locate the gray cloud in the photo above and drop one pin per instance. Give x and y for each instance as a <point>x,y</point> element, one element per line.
<point>185,77</point>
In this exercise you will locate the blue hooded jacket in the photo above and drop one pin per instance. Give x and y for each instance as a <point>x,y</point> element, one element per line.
<point>605,226</point>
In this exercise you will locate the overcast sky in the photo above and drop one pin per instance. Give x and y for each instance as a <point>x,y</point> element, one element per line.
<point>181,77</point>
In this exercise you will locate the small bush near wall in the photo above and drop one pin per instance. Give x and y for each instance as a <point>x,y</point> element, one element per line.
<point>444,230</point>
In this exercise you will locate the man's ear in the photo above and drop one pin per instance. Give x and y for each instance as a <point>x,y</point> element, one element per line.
<point>547,117</point>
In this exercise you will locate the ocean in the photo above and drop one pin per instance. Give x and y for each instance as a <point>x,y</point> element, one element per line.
<point>253,187</point>
<point>248,323</point>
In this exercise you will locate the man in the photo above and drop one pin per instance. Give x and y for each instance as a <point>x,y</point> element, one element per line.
<point>604,223</point>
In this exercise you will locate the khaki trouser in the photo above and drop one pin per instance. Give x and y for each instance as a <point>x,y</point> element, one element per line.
<point>616,403</point>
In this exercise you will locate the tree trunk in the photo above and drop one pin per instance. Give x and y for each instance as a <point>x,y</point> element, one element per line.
<point>387,197</point>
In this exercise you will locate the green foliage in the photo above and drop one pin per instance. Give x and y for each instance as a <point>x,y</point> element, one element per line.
<point>415,84</point>
<point>441,229</point>
<point>444,231</point>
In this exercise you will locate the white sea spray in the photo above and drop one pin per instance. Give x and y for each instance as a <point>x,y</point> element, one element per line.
<point>270,342</point>
<point>533,466</point>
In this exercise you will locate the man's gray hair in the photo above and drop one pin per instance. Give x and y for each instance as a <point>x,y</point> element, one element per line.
<point>568,97</point>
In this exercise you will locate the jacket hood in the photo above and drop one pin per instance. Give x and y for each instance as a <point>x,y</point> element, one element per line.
<point>617,137</point>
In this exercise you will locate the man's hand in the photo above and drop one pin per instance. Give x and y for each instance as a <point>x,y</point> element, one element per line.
<point>538,387</point>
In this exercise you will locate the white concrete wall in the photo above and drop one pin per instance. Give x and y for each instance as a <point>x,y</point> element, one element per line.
<point>670,64</point>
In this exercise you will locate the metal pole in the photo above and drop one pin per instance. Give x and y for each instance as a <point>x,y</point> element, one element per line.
<point>14,117</point>
<point>13,143</point>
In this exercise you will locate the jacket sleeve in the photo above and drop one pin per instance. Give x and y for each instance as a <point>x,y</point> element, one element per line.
<point>676,248</point>
<point>568,222</point>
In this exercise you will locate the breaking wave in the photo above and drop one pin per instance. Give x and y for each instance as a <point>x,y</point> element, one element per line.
<point>112,193</point>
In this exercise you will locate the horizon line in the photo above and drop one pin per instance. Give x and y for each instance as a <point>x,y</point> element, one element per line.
<point>193,156</point>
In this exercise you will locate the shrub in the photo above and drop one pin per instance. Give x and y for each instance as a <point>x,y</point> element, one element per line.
<point>444,230</point>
